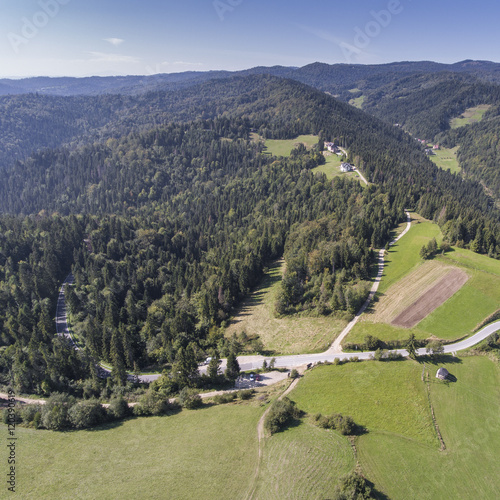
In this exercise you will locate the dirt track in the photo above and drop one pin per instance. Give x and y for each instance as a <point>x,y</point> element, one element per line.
<point>432,299</point>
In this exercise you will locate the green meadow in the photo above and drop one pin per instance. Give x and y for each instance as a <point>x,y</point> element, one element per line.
<point>400,453</point>
<point>303,461</point>
<point>381,396</point>
<point>471,115</point>
<point>404,255</point>
<point>284,147</point>
<point>467,414</point>
<point>205,453</point>
<point>446,159</point>
<point>459,315</point>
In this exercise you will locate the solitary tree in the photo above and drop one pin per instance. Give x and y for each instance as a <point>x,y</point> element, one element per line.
<point>185,368</point>
<point>411,346</point>
<point>233,367</point>
<point>213,366</point>
<point>434,347</point>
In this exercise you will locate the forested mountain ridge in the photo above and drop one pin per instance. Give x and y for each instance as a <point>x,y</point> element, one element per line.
<point>334,78</point>
<point>276,108</point>
<point>479,150</point>
<point>424,104</point>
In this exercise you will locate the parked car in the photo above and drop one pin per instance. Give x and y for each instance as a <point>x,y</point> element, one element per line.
<point>252,376</point>
<point>258,377</point>
<point>207,361</point>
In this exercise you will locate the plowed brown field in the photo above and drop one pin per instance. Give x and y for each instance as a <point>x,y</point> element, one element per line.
<point>432,299</point>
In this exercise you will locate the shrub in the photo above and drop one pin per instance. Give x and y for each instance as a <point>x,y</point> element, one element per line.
<point>151,403</point>
<point>372,343</point>
<point>434,347</point>
<point>380,354</point>
<point>281,413</point>
<point>118,408</point>
<point>294,373</point>
<point>227,397</point>
<point>394,355</point>
<point>353,487</point>
<point>12,416</point>
<point>190,399</point>
<point>31,415</point>
<point>86,414</point>
<point>246,394</point>
<point>341,423</point>
<point>55,412</point>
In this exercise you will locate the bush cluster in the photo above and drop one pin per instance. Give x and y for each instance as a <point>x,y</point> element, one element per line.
<point>246,394</point>
<point>62,411</point>
<point>281,413</point>
<point>342,423</point>
<point>353,487</point>
<point>227,397</point>
<point>190,399</point>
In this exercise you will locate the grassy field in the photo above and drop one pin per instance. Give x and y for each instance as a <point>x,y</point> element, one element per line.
<point>467,414</point>
<point>358,101</point>
<point>332,168</point>
<point>404,255</point>
<point>284,147</point>
<point>207,453</point>
<point>471,115</point>
<point>303,462</point>
<point>446,159</point>
<point>287,335</point>
<point>383,397</point>
<point>405,270</point>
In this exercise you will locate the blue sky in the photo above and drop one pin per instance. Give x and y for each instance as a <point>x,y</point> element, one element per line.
<point>119,37</point>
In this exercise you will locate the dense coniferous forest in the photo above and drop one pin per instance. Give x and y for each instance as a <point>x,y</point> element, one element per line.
<point>479,150</point>
<point>425,104</point>
<point>35,256</point>
<point>182,211</point>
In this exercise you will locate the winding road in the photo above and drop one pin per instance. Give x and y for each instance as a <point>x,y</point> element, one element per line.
<point>293,361</point>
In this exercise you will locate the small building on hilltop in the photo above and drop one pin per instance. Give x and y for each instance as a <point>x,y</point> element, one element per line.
<point>442,374</point>
<point>346,167</point>
<point>332,147</point>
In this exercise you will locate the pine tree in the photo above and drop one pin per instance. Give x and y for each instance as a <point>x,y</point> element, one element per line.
<point>411,346</point>
<point>213,366</point>
<point>233,367</point>
<point>185,368</point>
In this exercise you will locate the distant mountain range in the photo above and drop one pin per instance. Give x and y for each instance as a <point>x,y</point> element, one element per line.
<point>336,78</point>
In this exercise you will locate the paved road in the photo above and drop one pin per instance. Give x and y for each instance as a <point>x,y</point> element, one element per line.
<point>62,327</point>
<point>295,361</point>
<point>61,313</point>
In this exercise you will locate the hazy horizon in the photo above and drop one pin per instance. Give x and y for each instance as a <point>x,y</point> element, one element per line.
<point>73,38</point>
